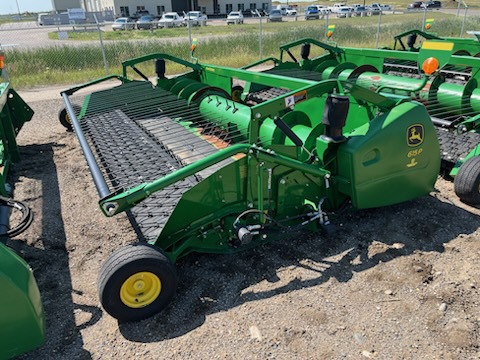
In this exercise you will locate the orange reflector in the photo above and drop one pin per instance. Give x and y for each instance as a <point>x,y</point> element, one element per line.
<point>430,65</point>
<point>329,33</point>
<point>428,26</point>
<point>193,47</point>
<point>2,61</point>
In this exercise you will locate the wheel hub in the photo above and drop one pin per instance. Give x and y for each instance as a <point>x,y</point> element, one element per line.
<point>140,289</point>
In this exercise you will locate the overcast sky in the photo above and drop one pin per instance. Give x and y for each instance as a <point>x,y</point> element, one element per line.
<point>10,6</point>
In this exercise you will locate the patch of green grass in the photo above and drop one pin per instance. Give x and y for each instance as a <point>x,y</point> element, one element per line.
<point>77,64</point>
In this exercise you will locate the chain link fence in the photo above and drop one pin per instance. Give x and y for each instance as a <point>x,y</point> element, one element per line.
<point>69,54</point>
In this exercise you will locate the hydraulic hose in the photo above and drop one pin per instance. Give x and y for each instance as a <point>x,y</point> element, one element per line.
<point>23,223</point>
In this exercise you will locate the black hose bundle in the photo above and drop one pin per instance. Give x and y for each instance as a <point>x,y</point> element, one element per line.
<point>25,221</point>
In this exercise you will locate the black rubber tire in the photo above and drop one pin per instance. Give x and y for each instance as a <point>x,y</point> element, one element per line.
<point>237,93</point>
<point>467,181</point>
<point>65,119</point>
<point>126,262</point>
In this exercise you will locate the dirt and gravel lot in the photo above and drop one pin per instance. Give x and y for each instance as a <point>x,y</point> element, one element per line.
<point>401,282</point>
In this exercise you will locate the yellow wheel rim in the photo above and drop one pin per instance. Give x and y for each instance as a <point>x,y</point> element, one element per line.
<point>140,289</point>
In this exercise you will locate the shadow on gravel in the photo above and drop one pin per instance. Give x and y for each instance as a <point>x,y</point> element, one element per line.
<point>214,283</point>
<point>48,257</point>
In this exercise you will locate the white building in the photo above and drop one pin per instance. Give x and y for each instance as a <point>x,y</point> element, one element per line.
<point>61,6</point>
<point>158,7</point>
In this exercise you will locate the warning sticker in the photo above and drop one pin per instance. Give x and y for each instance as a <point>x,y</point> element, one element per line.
<point>295,98</point>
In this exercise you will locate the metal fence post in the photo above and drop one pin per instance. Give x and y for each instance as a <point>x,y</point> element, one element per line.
<point>378,29</point>
<point>189,26</point>
<point>260,36</point>
<point>458,9</point>
<point>463,21</point>
<point>105,63</point>
<point>261,39</point>
<point>326,26</point>
<point>422,25</point>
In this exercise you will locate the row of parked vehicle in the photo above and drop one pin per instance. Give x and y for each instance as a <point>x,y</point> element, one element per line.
<point>419,5</point>
<point>237,17</point>
<point>169,19</point>
<point>313,12</point>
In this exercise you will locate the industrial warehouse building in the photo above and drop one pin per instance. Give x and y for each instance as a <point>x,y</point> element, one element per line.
<point>158,7</point>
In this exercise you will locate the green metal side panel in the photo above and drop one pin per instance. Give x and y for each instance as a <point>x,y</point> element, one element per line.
<point>22,323</point>
<point>203,219</point>
<point>397,149</point>
<point>14,112</point>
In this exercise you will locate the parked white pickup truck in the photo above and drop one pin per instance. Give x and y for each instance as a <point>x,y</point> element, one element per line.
<point>336,7</point>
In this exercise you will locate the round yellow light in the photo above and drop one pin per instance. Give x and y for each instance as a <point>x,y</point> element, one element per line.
<point>430,65</point>
<point>329,33</point>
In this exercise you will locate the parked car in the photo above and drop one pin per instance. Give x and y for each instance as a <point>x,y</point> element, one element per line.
<point>235,17</point>
<point>344,12</point>
<point>139,14</point>
<point>292,12</point>
<point>335,7</point>
<point>170,19</point>
<point>432,4</point>
<point>196,18</point>
<point>374,9</point>
<point>275,15</point>
<point>323,10</point>
<point>249,13</point>
<point>147,22</point>
<point>360,11</point>
<point>282,8</point>
<point>311,12</point>
<point>123,23</point>
<point>415,5</point>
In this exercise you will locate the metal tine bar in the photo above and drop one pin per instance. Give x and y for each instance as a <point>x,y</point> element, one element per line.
<point>205,130</point>
<point>132,100</point>
<point>124,181</point>
<point>120,178</point>
<point>213,125</point>
<point>198,148</point>
<point>202,144</point>
<point>155,102</point>
<point>119,99</point>
<point>165,108</point>
<point>446,109</point>
<point>189,117</point>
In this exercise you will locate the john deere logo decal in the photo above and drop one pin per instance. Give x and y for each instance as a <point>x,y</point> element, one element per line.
<point>415,135</point>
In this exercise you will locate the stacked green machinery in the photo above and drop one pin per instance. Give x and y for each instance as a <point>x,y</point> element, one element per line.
<point>219,160</point>
<point>22,325</point>
<point>451,94</point>
<point>413,39</point>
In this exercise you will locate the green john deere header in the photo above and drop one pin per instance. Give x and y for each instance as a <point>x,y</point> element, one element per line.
<point>219,160</point>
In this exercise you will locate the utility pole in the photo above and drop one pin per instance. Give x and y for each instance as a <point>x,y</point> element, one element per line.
<point>18,9</point>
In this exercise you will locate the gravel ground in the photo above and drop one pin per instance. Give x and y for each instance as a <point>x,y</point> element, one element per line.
<point>400,282</point>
